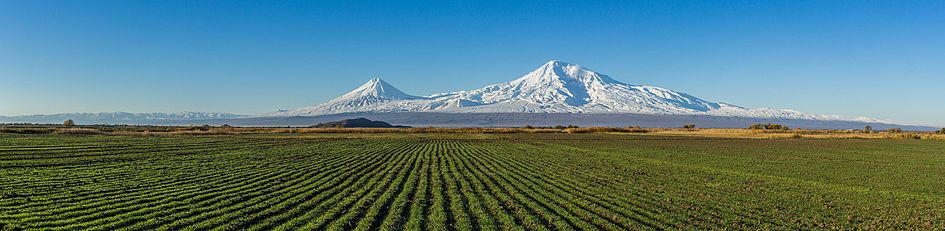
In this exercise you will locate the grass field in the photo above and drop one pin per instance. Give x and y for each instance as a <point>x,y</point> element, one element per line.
<point>467,182</point>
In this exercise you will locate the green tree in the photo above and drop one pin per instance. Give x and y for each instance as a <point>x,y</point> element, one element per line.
<point>68,123</point>
<point>868,129</point>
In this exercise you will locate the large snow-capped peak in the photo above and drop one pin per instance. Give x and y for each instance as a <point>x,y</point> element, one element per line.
<point>554,87</point>
<point>553,82</point>
<point>561,87</point>
<point>555,71</point>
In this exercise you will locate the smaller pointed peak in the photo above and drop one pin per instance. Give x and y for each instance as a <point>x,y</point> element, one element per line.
<point>371,83</point>
<point>374,82</point>
<point>377,88</point>
<point>555,62</point>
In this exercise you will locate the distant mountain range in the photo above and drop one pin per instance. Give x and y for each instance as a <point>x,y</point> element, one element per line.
<point>119,118</point>
<point>555,87</point>
<point>556,93</point>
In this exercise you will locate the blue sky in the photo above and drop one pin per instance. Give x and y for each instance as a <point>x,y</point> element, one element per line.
<point>882,59</point>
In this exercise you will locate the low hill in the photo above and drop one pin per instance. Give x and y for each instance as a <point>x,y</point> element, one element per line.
<point>359,122</point>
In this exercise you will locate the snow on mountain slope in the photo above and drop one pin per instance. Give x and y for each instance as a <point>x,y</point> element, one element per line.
<point>555,87</point>
<point>562,87</point>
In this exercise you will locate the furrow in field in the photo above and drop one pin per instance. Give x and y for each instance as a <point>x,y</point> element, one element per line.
<point>106,203</point>
<point>398,211</point>
<point>108,158</point>
<point>157,197</point>
<point>66,152</point>
<point>439,216</point>
<point>338,210</point>
<point>500,215</point>
<point>463,218</point>
<point>116,149</point>
<point>252,212</point>
<point>187,209</point>
<point>717,213</point>
<point>640,203</point>
<point>565,218</point>
<point>589,207</point>
<point>297,208</point>
<point>96,195</point>
<point>59,181</point>
<point>472,203</point>
<point>421,203</point>
<point>382,207</point>
<point>526,211</point>
<point>356,214</point>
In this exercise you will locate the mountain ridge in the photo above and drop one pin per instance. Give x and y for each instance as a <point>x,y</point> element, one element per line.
<point>554,87</point>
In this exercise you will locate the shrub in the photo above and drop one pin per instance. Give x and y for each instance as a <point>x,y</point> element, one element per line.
<point>776,127</point>
<point>941,131</point>
<point>868,129</point>
<point>769,127</point>
<point>198,128</point>
<point>27,130</point>
<point>605,129</point>
<point>198,132</point>
<point>689,126</point>
<point>78,131</point>
<point>910,136</point>
<point>894,130</point>
<point>68,123</point>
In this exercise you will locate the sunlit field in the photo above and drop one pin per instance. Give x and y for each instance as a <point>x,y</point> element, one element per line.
<point>384,181</point>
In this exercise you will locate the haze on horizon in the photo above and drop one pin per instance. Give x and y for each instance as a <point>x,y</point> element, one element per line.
<point>880,59</point>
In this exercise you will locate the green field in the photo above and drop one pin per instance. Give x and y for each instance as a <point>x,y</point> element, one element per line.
<point>467,182</point>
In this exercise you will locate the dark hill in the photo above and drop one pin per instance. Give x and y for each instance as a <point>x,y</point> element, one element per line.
<point>357,123</point>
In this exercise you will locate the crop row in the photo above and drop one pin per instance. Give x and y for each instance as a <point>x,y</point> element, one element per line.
<point>418,183</point>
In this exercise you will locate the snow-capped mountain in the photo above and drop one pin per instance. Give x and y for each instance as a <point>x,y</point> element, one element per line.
<point>119,117</point>
<point>555,87</point>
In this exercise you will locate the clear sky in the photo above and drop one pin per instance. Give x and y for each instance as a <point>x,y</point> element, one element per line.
<point>882,59</point>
